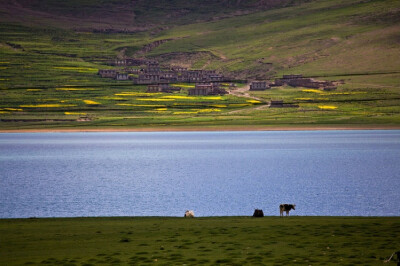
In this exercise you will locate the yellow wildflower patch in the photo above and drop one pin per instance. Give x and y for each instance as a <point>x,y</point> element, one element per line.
<point>139,105</point>
<point>13,109</point>
<point>209,110</point>
<point>90,102</point>
<point>155,99</point>
<point>47,105</point>
<point>238,104</point>
<point>182,85</point>
<point>211,98</point>
<point>312,90</point>
<point>4,112</point>
<point>253,101</point>
<point>178,97</point>
<point>74,113</point>
<point>219,105</point>
<point>75,89</point>
<point>133,93</point>
<point>327,107</point>
<point>4,79</point>
<point>184,113</point>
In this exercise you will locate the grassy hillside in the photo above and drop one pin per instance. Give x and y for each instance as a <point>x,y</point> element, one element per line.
<point>47,46</point>
<point>209,241</point>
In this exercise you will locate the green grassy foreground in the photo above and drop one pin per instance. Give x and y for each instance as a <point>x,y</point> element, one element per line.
<point>208,240</point>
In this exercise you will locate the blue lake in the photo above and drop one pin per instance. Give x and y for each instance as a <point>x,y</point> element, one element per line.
<point>342,173</point>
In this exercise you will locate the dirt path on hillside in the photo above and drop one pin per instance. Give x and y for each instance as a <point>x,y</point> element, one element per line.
<point>243,92</point>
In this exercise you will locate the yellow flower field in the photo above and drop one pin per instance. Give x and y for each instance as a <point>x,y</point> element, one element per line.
<point>12,109</point>
<point>182,85</point>
<point>132,93</point>
<point>55,105</point>
<point>74,113</point>
<point>155,99</point>
<point>140,105</point>
<point>33,89</point>
<point>179,97</point>
<point>312,90</point>
<point>90,102</point>
<point>327,107</point>
<point>253,101</point>
<point>75,89</point>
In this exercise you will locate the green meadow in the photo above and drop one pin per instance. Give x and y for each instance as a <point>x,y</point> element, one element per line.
<point>48,65</point>
<point>205,240</point>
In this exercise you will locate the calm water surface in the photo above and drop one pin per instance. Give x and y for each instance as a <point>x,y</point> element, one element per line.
<point>213,173</point>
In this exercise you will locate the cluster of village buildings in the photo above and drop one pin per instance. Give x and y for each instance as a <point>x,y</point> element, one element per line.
<point>293,81</point>
<point>158,80</point>
<point>148,72</point>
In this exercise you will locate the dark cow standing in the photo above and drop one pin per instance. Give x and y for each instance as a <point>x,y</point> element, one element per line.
<point>286,208</point>
<point>258,213</point>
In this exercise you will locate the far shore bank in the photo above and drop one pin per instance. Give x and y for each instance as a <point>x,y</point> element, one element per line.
<point>205,128</point>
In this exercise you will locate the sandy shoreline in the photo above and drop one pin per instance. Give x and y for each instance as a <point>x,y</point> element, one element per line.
<point>199,128</point>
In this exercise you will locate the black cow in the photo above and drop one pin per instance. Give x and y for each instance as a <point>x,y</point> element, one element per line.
<point>286,208</point>
<point>258,213</point>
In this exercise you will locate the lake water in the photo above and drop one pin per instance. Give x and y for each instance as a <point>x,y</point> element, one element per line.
<point>213,173</point>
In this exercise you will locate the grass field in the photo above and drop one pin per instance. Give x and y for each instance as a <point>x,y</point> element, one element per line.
<point>205,240</point>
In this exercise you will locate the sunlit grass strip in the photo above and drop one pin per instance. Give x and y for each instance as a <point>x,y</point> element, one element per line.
<point>33,89</point>
<point>327,107</point>
<point>90,102</point>
<point>303,99</point>
<point>74,113</point>
<point>55,105</point>
<point>155,99</point>
<point>79,69</point>
<point>111,98</point>
<point>75,89</point>
<point>197,111</point>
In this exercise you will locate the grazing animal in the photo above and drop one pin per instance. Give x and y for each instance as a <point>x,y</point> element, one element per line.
<point>189,214</point>
<point>258,213</point>
<point>286,208</point>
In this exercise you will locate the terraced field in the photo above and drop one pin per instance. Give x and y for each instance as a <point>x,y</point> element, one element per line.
<point>48,67</point>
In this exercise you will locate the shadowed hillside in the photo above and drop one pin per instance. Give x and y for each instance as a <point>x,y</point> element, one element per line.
<point>128,15</point>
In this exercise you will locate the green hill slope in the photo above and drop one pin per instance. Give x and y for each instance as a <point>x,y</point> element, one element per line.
<point>46,46</point>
